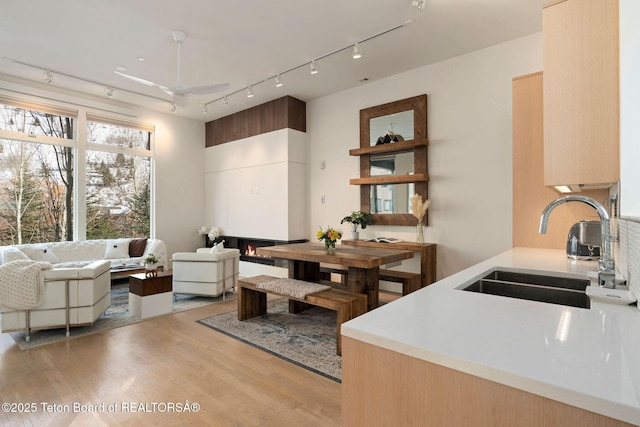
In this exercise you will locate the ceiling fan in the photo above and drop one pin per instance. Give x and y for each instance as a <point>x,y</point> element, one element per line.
<point>178,92</point>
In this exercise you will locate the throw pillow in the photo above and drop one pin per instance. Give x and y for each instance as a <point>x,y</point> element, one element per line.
<point>41,253</point>
<point>13,254</point>
<point>217,248</point>
<point>137,247</point>
<point>118,248</point>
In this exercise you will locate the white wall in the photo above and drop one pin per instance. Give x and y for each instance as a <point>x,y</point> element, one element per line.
<point>469,128</point>
<point>256,186</point>
<point>179,168</point>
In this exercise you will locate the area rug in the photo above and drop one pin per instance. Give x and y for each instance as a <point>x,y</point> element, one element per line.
<point>116,315</point>
<point>306,339</point>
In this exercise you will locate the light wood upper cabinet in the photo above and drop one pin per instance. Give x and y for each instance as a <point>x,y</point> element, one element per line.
<point>530,195</point>
<point>581,92</point>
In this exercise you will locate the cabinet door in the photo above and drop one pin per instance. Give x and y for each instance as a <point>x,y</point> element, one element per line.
<point>530,196</point>
<point>581,92</point>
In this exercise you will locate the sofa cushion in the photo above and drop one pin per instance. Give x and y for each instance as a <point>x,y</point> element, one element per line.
<point>72,264</point>
<point>117,248</point>
<point>137,247</point>
<point>12,254</point>
<point>41,253</point>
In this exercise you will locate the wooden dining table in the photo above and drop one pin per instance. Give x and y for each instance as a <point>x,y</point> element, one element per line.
<point>363,263</point>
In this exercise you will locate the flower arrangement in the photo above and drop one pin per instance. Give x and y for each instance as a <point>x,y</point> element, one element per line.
<point>151,259</point>
<point>329,237</point>
<point>358,218</point>
<point>212,232</point>
<point>418,209</point>
<point>151,264</point>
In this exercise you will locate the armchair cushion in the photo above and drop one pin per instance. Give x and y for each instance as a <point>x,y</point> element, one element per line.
<point>218,247</point>
<point>204,255</point>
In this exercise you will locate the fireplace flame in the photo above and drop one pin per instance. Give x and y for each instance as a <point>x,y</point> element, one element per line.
<point>251,251</point>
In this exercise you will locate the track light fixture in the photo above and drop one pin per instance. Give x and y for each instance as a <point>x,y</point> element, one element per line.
<point>205,110</point>
<point>249,92</point>
<point>47,77</point>
<point>356,52</point>
<point>225,101</point>
<point>172,107</point>
<point>278,81</point>
<point>108,91</point>
<point>418,4</point>
<point>313,69</point>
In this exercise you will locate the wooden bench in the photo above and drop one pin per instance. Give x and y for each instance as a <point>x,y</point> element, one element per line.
<point>410,281</point>
<point>252,302</point>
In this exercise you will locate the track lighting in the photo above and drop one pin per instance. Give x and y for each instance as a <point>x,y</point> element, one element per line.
<point>418,4</point>
<point>172,107</point>
<point>47,77</point>
<point>225,102</point>
<point>205,110</point>
<point>356,52</point>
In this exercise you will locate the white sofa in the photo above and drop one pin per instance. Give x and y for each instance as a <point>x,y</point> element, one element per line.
<point>205,273</point>
<point>80,275</point>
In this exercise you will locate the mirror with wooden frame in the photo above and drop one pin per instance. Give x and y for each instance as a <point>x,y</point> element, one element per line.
<point>393,159</point>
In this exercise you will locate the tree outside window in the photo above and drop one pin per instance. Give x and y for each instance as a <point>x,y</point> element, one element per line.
<point>118,188</point>
<point>36,179</point>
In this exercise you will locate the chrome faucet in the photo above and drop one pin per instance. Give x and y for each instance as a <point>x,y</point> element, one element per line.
<point>606,265</point>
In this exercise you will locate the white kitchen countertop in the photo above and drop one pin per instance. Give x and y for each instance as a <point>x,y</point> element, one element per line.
<point>589,358</point>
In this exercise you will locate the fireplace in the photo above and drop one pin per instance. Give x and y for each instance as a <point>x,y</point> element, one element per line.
<point>249,245</point>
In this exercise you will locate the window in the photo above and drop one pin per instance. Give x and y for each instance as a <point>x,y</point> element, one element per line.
<point>42,156</point>
<point>118,181</point>
<point>36,176</point>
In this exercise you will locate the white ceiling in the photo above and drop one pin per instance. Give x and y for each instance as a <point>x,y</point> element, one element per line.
<point>244,42</point>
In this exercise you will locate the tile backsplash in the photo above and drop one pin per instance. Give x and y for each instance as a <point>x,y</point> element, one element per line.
<point>627,252</point>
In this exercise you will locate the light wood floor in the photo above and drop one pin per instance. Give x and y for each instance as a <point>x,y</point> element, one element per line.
<point>166,360</point>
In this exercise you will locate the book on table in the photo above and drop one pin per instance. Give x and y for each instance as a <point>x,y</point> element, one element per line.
<point>384,240</point>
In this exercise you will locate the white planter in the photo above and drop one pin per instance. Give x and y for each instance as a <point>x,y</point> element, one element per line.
<point>151,266</point>
<point>355,235</point>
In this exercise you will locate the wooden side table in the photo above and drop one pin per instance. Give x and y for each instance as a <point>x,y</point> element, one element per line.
<point>150,296</point>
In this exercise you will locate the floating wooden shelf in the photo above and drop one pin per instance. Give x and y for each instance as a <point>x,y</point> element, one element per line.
<point>393,147</point>
<point>390,179</point>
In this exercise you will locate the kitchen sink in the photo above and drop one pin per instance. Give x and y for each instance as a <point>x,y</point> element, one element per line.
<point>533,287</point>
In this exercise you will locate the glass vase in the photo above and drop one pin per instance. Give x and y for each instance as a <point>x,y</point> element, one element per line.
<point>419,233</point>
<point>329,245</point>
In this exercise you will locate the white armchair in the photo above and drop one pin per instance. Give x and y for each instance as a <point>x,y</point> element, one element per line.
<point>205,273</point>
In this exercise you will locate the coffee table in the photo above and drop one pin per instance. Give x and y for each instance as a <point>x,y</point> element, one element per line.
<point>150,296</point>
